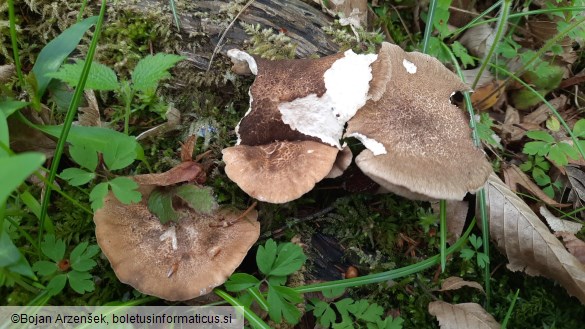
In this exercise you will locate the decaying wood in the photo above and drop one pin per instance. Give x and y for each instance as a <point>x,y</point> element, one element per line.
<point>298,20</point>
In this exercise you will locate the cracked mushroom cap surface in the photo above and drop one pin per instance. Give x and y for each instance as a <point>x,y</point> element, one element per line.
<point>281,171</point>
<point>174,261</point>
<point>418,144</point>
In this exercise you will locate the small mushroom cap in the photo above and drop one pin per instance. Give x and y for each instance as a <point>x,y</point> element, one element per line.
<point>427,147</point>
<point>140,248</point>
<point>281,171</point>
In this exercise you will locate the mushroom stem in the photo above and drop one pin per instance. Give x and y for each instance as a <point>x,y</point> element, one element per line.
<point>171,233</point>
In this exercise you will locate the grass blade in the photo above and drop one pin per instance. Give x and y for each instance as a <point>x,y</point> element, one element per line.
<point>254,319</point>
<point>429,26</point>
<point>14,41</point>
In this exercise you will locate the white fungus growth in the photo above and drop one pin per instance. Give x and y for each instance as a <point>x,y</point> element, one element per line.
<point>409,66</point>
<point>240,56</point>
<point>171,233</point>
<point>371,144</point>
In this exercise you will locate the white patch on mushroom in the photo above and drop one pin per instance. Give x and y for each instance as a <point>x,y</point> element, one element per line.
<point>347,83</point>
<point>409,66</point>
<point>371,144</point>
<point>171,233</point>
<point>237,55</point>
<point>213,251</point>
<point>310,151</point>
<point>247,112</point>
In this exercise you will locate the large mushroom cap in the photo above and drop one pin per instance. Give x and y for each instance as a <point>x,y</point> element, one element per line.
<point>176,261</point>
<point>418,144</point>
<point>281,171</point>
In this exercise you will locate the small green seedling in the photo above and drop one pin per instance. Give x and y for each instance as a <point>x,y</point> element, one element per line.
<point>74,269</point>
<point>545,145</point>
<point>353,314</point>
<point>538,166</point>
<point>467,253</point>
<point>275,262</point>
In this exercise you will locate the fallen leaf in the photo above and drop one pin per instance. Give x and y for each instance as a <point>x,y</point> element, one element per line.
<point>514,177</point>
<point>575,246</point>
<point>89,115</point>
<point>454,283</point>
<point>187,148</point>
<point>577,179</point>
<point>510,129</point>
<point>487,95</point>
<point>456,216</point>
<point>469,76</point>
<point>526,241</point>
<point>184,172</point>
<point>462,316</point>
<point>559,225</point>
<point>7,72</point>
<point>173,120</point>
<point>542,113</point>
<point>478,39</point>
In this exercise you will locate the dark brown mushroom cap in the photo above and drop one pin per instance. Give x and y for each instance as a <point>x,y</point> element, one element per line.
<point>281,171</point>
<point>140,249</point>
<point>278,82</point>
<point>426,140</point>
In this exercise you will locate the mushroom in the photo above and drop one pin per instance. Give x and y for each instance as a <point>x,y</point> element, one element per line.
<point>178,260</point>
<point>279,172</point>
<point>298,110</point>
<point>342,162</point>
<point>418,144</point>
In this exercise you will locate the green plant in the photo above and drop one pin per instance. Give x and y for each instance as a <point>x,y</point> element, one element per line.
<point>74,269</point>
<point>353,313</point>
<point>144,81</point>
<point>546,145</point>
<point>468,253</point>
<point>275,262</point>
<point>538,166</point>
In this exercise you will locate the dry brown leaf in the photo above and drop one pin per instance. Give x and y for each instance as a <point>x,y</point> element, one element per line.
<point>514,176</point>
<point>510,130</point>
<point>173,120</point>
<point>454,283</point>
<point>462,316</point>
<point>185,172</point>
<point>89,115</point>
<point>487,95</point>
<point>542,113</point>
<point>478,38</point>
<point>577,180</point>
<point>559,225</point>
<point>187,148</point>
<point>469,76</point>
<point>575,246</point>
<point>456,216</point>
<point>7,72</point>
<point>527,242</point>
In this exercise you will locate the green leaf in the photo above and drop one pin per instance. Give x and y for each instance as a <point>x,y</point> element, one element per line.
<point>282,302</point>
<point>160,203</point>
<point>199,199</point>
<point>84,155</point>
<point>241,281</point>
<point>258,297</point>
<point>569,150</point>
<point>81,282</point>
<point>45,268</point>
<point>579,128</point>
<point>57,284</point>
<point>56,51</point>
<point>97,195</point>
<point>342,307</point>
<point>81,257</point>
<point>324,313</point>
<point>53,248</point>
<point>9,254</point>
<point>124,189</point>
<point>475,241</point>
<point>540,177</point>
<point>482,259</point>
<point>22,267</point>
<point>15,170</point>
<point>467,253</point>
<point>333,292</point>
<point>290,258</point>
<point>557,155</point>
<point>461,52</point>
<point>363,310</point>
<point>534,148</point>
<point>10,106</point>
<point>265,256</point>
<point>540,136</point>
<point>100,76</point>
<point>116,147</point>
<point>151,69</point>
<point>390,323</point>
<point>526,166</point>
<point>76,176</point>
<point>120,153</point>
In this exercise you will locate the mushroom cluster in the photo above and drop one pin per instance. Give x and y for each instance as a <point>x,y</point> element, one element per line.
<point>178,260</point>
<point>418,144</point>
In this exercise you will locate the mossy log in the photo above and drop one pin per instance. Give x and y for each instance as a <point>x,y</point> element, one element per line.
<point>298,20</point>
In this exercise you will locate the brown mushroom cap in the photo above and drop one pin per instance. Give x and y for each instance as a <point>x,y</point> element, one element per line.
<point>141,252</point>
<point>281,171</point>
<point>342,161</point>
<point>422,142</point>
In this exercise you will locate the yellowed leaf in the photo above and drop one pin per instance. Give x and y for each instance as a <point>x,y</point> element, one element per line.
<point>454,283</point>
<point>514,177</point>
<point>462,316</point>
<point>527,242</point>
